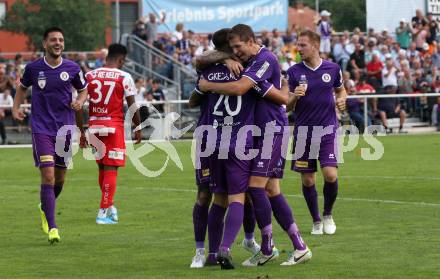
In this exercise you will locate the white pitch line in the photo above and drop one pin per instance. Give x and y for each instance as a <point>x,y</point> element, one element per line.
<point>301,197</point>
<point>289,195</point>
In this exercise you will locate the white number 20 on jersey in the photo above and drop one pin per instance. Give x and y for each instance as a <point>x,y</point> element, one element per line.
<point>110,84</point>
<point>227,107</point>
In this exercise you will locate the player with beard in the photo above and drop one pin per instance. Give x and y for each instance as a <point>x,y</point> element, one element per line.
<point>51,79</point>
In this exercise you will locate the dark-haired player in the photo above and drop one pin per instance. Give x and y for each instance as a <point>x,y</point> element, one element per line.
<point>51,79</point>
<point>108,87</point>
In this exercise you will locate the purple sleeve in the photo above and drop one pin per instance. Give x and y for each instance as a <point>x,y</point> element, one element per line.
<point>260,70</point>
<point>262,88</point>
<point>78,81</point>
<point>338,82</point>
<point>26,79</point>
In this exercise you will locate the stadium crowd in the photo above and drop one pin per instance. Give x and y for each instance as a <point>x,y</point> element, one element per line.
<point>404,61</point>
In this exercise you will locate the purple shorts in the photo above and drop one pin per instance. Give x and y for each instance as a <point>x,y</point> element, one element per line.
<point>327,153</point>
<point>272,165</point>
<point>229,176</point>
<point>44,150</point>
<point>203,177</point>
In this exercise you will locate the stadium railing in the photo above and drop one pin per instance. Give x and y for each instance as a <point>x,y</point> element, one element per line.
<point>148,61</point>
<point>187,114</point>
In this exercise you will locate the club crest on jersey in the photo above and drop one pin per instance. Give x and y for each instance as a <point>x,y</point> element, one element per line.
<point>41,80</point>
<point>326,77</point>
<point>64,76</point>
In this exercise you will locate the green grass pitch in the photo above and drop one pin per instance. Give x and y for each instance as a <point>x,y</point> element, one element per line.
<point>387,213</point>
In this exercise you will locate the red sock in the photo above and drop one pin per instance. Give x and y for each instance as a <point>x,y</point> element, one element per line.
<point>101,178</point>
<point>108,187</point>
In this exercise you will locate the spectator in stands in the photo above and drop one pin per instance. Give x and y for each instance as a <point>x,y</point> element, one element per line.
<point>404,33</point>
<point>288,63</point>
<point>374,72</point>
<point>390,108</point>
<point>151,27</point>
<point>265,39</point>
<point>277,41</point>
<point>354,106</point>
<point>433,29</point>
<point>203,46</point>
<point>5,101</point>
<point>421,33</point>
<point>291,35</point>
<point>340,55</point>
<point>139,83</point>
<point>178,32</point>
<point>400,59</point>
<point>389,72</point>
<point>139,30</point>
<point>83,62</point>
<point>435,114</point>
<point>157,94</point>
<point>6,82</point>
<point>357,60</point>
<point>325,29</point>
<point>100,59</point>
<point>19,66</point>
<point>362,87</point>
<point>418,19</point>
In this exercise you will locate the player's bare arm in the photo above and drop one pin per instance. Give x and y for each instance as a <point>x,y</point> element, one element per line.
<point>234,88</point>
<point>79,119</point>
<point>281,96</point>
<point>195,99</point>
<point>341,98</point>
<point>294,97</point>
<point>80,100</point>
<point>17,112</point>
<point>136,119</point>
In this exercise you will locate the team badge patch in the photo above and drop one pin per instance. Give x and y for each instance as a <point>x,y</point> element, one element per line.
<point>41,80</point>
<point>64,76</point>
<point>326,77</point>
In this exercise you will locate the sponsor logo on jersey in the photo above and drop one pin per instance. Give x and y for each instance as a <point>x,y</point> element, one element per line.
<point>263,69</point>
<point>116,155</point>
<point>260,164</point>
<point>41,80</point>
